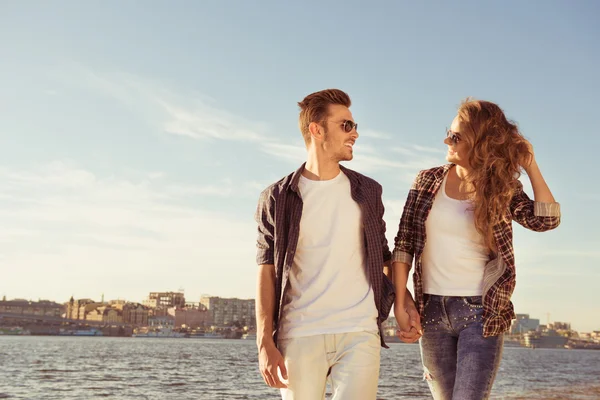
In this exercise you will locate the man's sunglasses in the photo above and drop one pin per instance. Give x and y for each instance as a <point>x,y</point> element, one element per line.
<point>454,138</point>
<point>349,125</point>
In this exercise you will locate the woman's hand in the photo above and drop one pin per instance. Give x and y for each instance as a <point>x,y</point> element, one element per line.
<point>528,159</point>
<point>409,324</point>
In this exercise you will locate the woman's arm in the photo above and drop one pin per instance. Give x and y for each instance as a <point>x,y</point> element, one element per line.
<point>542,213</point>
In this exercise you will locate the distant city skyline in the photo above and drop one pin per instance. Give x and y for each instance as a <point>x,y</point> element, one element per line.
<point>539,320</point>
<point>135,139</point>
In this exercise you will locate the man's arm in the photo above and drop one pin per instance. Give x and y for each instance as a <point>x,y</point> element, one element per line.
<point>270,359</point>
<point>265,304</point>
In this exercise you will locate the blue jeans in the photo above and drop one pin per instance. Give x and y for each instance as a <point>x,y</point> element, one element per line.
<point>459,363</point>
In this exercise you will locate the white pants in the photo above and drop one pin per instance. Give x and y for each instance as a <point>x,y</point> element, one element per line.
<point>350,361</point>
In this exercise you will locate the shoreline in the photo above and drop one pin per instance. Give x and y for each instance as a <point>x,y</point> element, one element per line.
<point>578,392</point>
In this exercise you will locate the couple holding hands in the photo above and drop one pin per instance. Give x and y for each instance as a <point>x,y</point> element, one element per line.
<point>327,279</point>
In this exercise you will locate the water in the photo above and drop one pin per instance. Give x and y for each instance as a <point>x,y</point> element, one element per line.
<point>51,367</point>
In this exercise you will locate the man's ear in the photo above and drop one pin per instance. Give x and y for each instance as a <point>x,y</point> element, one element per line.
<point>316,131</point>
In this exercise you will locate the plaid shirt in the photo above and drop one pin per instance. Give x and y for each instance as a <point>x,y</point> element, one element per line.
<point>278,216</point>
<point>499,275</point>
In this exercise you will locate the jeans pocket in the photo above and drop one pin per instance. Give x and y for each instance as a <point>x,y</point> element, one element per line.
<point>473,301</point>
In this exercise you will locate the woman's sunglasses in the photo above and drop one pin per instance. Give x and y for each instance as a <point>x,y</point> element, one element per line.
<point>348,126</point>
<point>454,138</point>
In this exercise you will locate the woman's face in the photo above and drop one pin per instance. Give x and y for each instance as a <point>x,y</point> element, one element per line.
<point>458,149</point>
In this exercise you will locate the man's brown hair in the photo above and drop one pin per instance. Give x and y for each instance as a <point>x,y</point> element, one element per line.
<point>315,108</point>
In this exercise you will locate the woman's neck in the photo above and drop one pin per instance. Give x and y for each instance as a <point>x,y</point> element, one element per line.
<point>461,172</point>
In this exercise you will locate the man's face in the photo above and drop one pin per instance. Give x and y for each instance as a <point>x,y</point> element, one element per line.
<point>340,133</point>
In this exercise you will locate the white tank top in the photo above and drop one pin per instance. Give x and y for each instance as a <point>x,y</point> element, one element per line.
<point>455,255</point>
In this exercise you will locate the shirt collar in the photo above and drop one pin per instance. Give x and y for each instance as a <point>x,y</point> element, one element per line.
<point>354,179</point>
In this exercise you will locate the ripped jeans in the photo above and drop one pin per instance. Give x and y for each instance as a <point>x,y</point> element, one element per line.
<point>459,363</point>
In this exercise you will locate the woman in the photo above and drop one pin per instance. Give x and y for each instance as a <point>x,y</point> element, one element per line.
<point>457,226</point>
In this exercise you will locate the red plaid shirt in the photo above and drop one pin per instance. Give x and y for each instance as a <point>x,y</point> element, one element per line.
<point>499,274</point>
<point>278,217</point>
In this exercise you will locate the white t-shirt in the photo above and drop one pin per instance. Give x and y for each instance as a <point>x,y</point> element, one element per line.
<point>455,255</point>
<point>329,291</point>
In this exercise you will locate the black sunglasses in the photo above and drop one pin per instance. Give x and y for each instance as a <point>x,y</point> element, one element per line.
<point>349,125</point>
<point>454,138</point>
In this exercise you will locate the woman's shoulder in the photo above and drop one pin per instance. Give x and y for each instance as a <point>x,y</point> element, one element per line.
<point>433,173</point>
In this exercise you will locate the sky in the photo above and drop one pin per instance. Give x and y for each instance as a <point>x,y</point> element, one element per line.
<point>135,137</point>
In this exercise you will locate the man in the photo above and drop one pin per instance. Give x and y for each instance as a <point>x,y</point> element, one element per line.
<point>322,293</point>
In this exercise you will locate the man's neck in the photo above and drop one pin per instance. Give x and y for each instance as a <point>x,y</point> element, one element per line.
<point>320,168</point>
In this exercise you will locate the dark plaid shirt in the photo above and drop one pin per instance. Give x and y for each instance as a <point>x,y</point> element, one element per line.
<point>499,275</point>
<point>278,216</point>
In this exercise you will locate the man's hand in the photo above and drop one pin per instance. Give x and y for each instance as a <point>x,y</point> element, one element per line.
<point>269,360</point>
<point>409,323</point>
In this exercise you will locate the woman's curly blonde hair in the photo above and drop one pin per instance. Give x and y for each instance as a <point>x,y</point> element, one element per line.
<point>497,153</point>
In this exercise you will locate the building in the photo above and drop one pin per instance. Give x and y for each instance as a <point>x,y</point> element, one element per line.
<point>191,304</point>
<point>560,326</point>
<point>133,313</point>
<point>166,321</point>
<point>105,314</point>
<point>524,324</point>
<point>231,311</point>
<point>390,326</point>
<point>165,300</point>
<point>192,318</point>
<point>85,309</point>
<point>75,308</point>
<point>25,307</point>
<point>548,338</point>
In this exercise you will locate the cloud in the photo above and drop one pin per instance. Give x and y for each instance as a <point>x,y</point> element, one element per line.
<point>428,149</point>
<point>177,113</point>
<point>65,230</point>
<point>368,133</point>
<point>385,160</point>
<point>295,154</point>
<point>205,122</point>
<point>367,159</point>
<point>196,116</point>
<point>224,189</point>
<point>413,149</point>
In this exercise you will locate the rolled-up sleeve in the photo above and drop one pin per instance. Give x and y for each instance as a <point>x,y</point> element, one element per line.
<point>266,228</point>
<point>534,215</point>
<point>404,246</point>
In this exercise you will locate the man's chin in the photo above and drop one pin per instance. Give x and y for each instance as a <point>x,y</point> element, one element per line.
<point>345,156</point>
